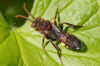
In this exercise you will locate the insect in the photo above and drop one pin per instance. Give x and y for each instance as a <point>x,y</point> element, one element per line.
<point>53,33</point>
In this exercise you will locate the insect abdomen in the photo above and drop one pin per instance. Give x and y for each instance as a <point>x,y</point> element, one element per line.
<point>73,42</point>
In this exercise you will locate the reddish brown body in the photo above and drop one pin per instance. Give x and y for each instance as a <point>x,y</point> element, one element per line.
<point>46,28</point>
<point>53,33</point>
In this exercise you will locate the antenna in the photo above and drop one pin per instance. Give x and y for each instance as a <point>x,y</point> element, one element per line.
<point>21,16</point>
<point>27,11</point>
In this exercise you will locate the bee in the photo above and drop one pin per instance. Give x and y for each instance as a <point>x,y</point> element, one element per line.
<point>53,33</point>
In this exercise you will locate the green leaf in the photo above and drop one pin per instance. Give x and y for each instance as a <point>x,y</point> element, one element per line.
<point>22,46</point>
<point>4,29</point>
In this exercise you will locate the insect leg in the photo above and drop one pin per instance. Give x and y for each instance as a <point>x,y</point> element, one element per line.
<point>55,23</point>
<point>71,25</point>
<point>58,19</point>
<point>44,44</point>
<point>43,39</point>
<point>58,51</point>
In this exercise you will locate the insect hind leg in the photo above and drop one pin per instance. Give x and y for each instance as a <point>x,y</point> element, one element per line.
<point>58,51</point>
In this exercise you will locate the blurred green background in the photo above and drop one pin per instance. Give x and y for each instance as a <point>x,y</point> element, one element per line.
<point>11,8</point>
